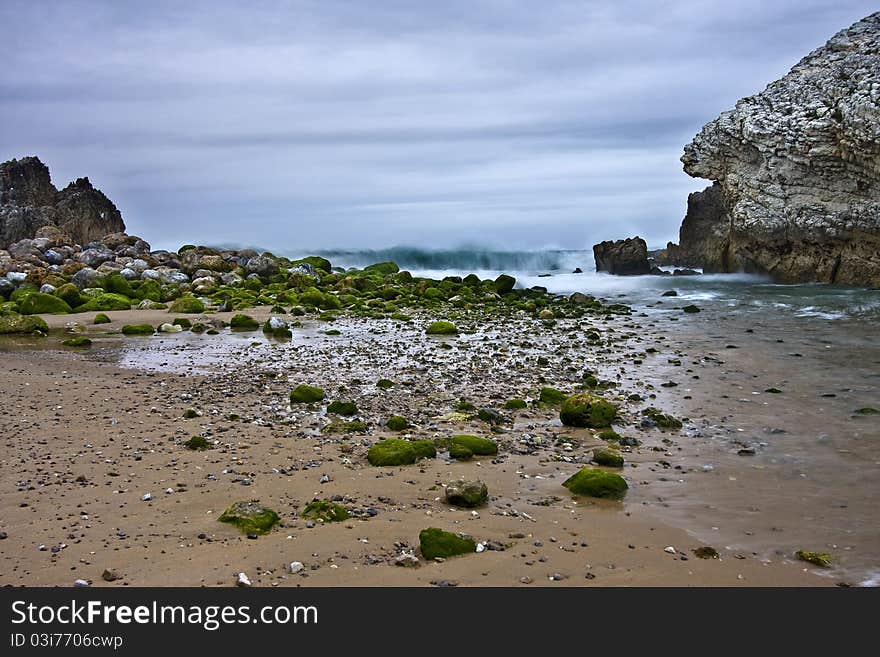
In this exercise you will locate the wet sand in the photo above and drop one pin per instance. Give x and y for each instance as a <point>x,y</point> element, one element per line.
<point>88,433</point>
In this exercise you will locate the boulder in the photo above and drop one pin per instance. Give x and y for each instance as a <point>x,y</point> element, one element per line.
<point>623,257</point>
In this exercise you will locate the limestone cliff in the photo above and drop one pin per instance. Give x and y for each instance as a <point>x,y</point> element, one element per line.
<point>796,171</point>
<point>29,201</point>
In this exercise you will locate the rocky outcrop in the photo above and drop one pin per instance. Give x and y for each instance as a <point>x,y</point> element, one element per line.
<point>622,257</point>
<point>29,201</point>
<point>796,171</point>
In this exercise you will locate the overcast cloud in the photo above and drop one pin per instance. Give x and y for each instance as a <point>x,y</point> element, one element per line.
<point>351,124</point>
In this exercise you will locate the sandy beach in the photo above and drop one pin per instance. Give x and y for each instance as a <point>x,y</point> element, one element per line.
<point>90,433</point>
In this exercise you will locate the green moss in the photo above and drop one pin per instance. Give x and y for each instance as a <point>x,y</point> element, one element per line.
<point>182,322</point>
<point>106,301</point>
<point>241,322</point>
<point>101,318</point>
<point>149,290</point>
<point>465,406</point>
<point>23,290</point>
<point>315,261</point>
<point>342,408</point>
<point>396,451</point>
<point>661,419</point>
<point>551,396</point>
<point>435,543</point>
<point>504,284</point>
<point>305,394</point>
<point>190,413</point>
<point>138,329</point>
<point>277,331</point>
<point>441,328</point>
<point>22,324</point>
<point>596,483</point>
<point>117,284</point>
<point>821,559</point>
<point>460,452</point>
<point>38,303</point>
<point>609,435</point>
<point>187,305</point>
<point>608,457</point>
<point>324,511</point>
<point>397,423</point>
<point>198,443</point>
<point>515,404</point>
<point>474,444</point>
<point>69,293</point>
<point>77,341</point>
<point>384,384</point>
<point>250,517</point>
<point>383,268</point>
<point>587,410</point>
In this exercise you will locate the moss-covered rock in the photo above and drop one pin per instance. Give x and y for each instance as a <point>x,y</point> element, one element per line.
<point>436,543</point>
<point>467,494</point>
<point>118,284</point>
<point>397,423</point>
<point>38,303</point>
<point>306,394</point>
<point>587,410</point>
<point>441,328</point>
<point>77,341</point>
<point>69,293</point>
<point>198,443</point>
<point>242,322</point>
<point>465,446</point>
<point>551,396</point>
<point>504,284</point>
<point>396,451</point>
<point>661,419</point>
<point>608,457</point>
<point>342,408</point>
<point>338,426</point>
<point>101,318</point>
<point>104,301</point>
<point>250,517</point>
<point>384,384</point>
<point>23,324</point>
<point>325,511</point>
<point>596,483</point>
<point>821,559</point>
<point>187,305</point>
<point>609,435</point>
<point>383,268</point>
<point>138,329</point>
<point>515,404</point>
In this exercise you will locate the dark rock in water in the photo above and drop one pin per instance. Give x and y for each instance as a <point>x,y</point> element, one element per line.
<point>624,257</point>
<point>29,201</point>
<point>656,271</point>
<point>796,190</point>
<point>670,293</point>
<point>685,272</point>
<point>578,270</point>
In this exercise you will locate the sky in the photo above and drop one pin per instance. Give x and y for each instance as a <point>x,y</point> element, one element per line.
<point>349,124</point>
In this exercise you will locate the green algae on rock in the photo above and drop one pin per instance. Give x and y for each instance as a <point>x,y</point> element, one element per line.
<point>551,396</point>
<point>342,408</point>
<point>436,543</point>
<point>463,447</point>
<point>608,457</point>
<point>306,394</point>
<point>242,322</point>
<point>38,303</point>
<point>138,329</point>
<point>441,328</point>
<point>593,482</point>
<point>104,301</point>
<point>587,410</point>
<point>101,318</point>
<point>23,324</point>
<point>198,443</point>
<point>77,341</point>
<point>187,305</point>
<point>467,494</point>
<point>396,451</point>
<point>338,426</point>
<point>821,559</point>
<point>504,284</point>
<point>325,511</point>
<point>397,423</point>
<point>384,384</point>
<point>661,419</point>
<point>250,517</point>
<point>515,404</point>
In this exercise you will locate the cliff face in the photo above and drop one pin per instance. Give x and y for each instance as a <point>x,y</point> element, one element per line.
<point>29,201</point>
<point>796,171</point>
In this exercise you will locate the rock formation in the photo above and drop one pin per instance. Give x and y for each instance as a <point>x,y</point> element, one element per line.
<point>29,201</point>
<point>796,171</point>
<point>623,257</point>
